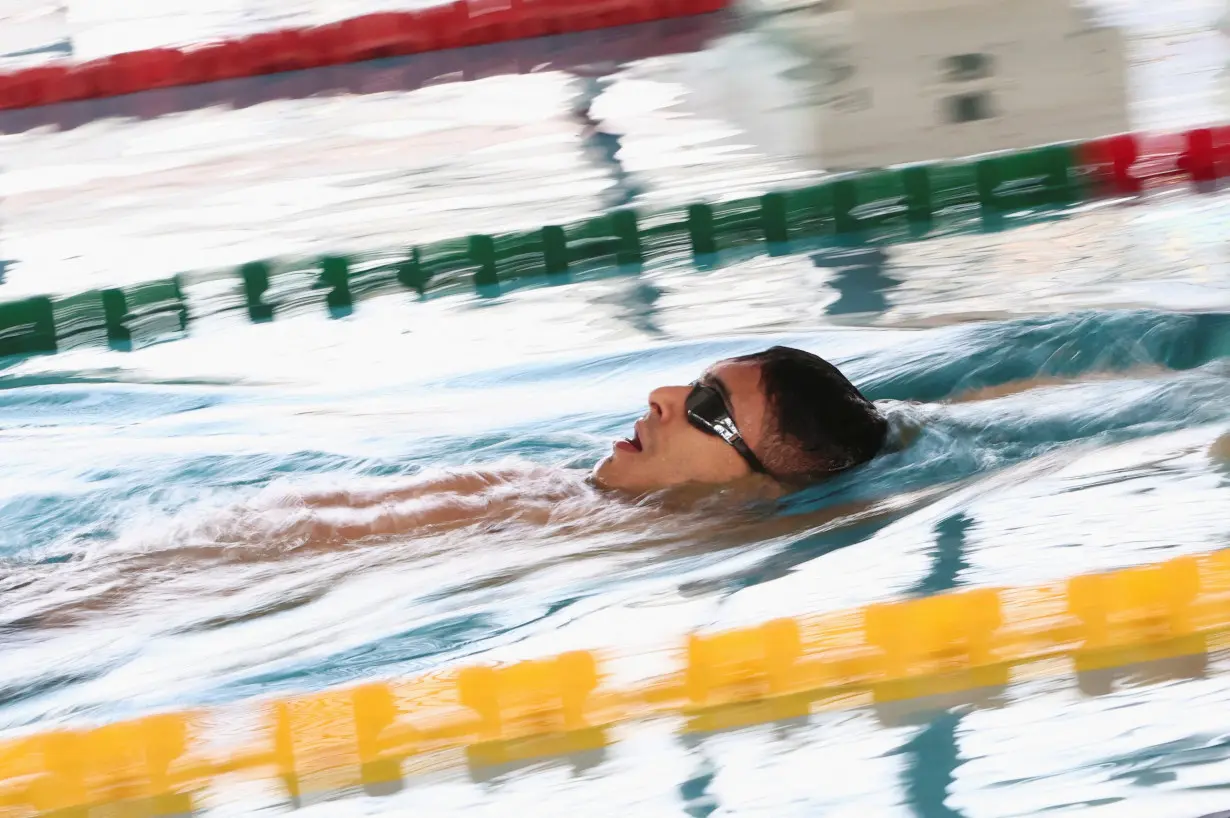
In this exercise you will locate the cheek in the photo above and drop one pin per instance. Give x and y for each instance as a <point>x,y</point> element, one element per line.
<point>697,456</point>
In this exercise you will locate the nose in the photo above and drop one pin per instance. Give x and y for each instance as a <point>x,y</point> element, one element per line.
<point>668,402</point>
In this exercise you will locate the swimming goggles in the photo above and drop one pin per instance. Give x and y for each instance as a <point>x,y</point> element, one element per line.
<point>708,412</point>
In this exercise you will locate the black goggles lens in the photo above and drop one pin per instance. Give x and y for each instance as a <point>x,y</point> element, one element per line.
<point>705,404</point>
<point>707,411</point>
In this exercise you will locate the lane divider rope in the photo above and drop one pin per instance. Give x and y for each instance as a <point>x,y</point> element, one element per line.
<point>576,53</point>
<point>367,37</point>
<point>974,639</point>
<point>882,205</point>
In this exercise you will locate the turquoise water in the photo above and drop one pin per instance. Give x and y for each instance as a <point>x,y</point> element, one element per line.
<point>1061,391</point>
<point>148,561</point>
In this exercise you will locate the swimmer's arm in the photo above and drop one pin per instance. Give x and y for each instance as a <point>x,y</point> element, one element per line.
<point>462,483</point>
<point>434,514</point>
<point>1041,381</point>
<point>438,503</point>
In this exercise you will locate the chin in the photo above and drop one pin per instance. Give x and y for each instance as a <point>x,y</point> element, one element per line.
<point>612,475</point>
<point>602,472</point>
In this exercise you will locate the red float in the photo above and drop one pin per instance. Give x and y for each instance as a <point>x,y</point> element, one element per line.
<point>1221,151</point>
<point>1198,159</point>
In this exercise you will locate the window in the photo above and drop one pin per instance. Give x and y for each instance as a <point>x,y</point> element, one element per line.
<point>969,107</point>
<point>962,67</point>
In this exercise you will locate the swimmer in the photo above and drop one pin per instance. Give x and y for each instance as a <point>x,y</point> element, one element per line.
<point>759,426</point>
<point>688,477</point>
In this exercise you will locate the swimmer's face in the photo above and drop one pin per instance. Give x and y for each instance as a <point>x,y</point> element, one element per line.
<point>666,450</point>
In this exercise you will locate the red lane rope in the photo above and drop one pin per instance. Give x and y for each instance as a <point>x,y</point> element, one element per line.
<point>370,36</point>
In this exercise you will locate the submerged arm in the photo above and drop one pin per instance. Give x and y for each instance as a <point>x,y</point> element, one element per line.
<point>438,502</point>
<point>463,483</point>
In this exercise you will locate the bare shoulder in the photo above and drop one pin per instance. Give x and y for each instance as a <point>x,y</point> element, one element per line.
<point>435,483</point>
<point>437,500</point>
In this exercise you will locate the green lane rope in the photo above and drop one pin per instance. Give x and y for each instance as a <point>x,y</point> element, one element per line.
<point>880,205</point>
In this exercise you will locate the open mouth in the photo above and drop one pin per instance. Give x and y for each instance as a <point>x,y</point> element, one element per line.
<point>631,444</point>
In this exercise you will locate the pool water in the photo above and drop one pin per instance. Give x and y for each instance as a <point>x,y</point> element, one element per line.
<point>1063,389</point>
<point>145,569</point>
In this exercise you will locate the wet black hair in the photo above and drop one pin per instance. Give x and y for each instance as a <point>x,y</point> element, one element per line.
<point>818,423</point>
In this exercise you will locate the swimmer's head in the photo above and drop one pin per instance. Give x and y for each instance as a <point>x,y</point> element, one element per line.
<point>782,416</point>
